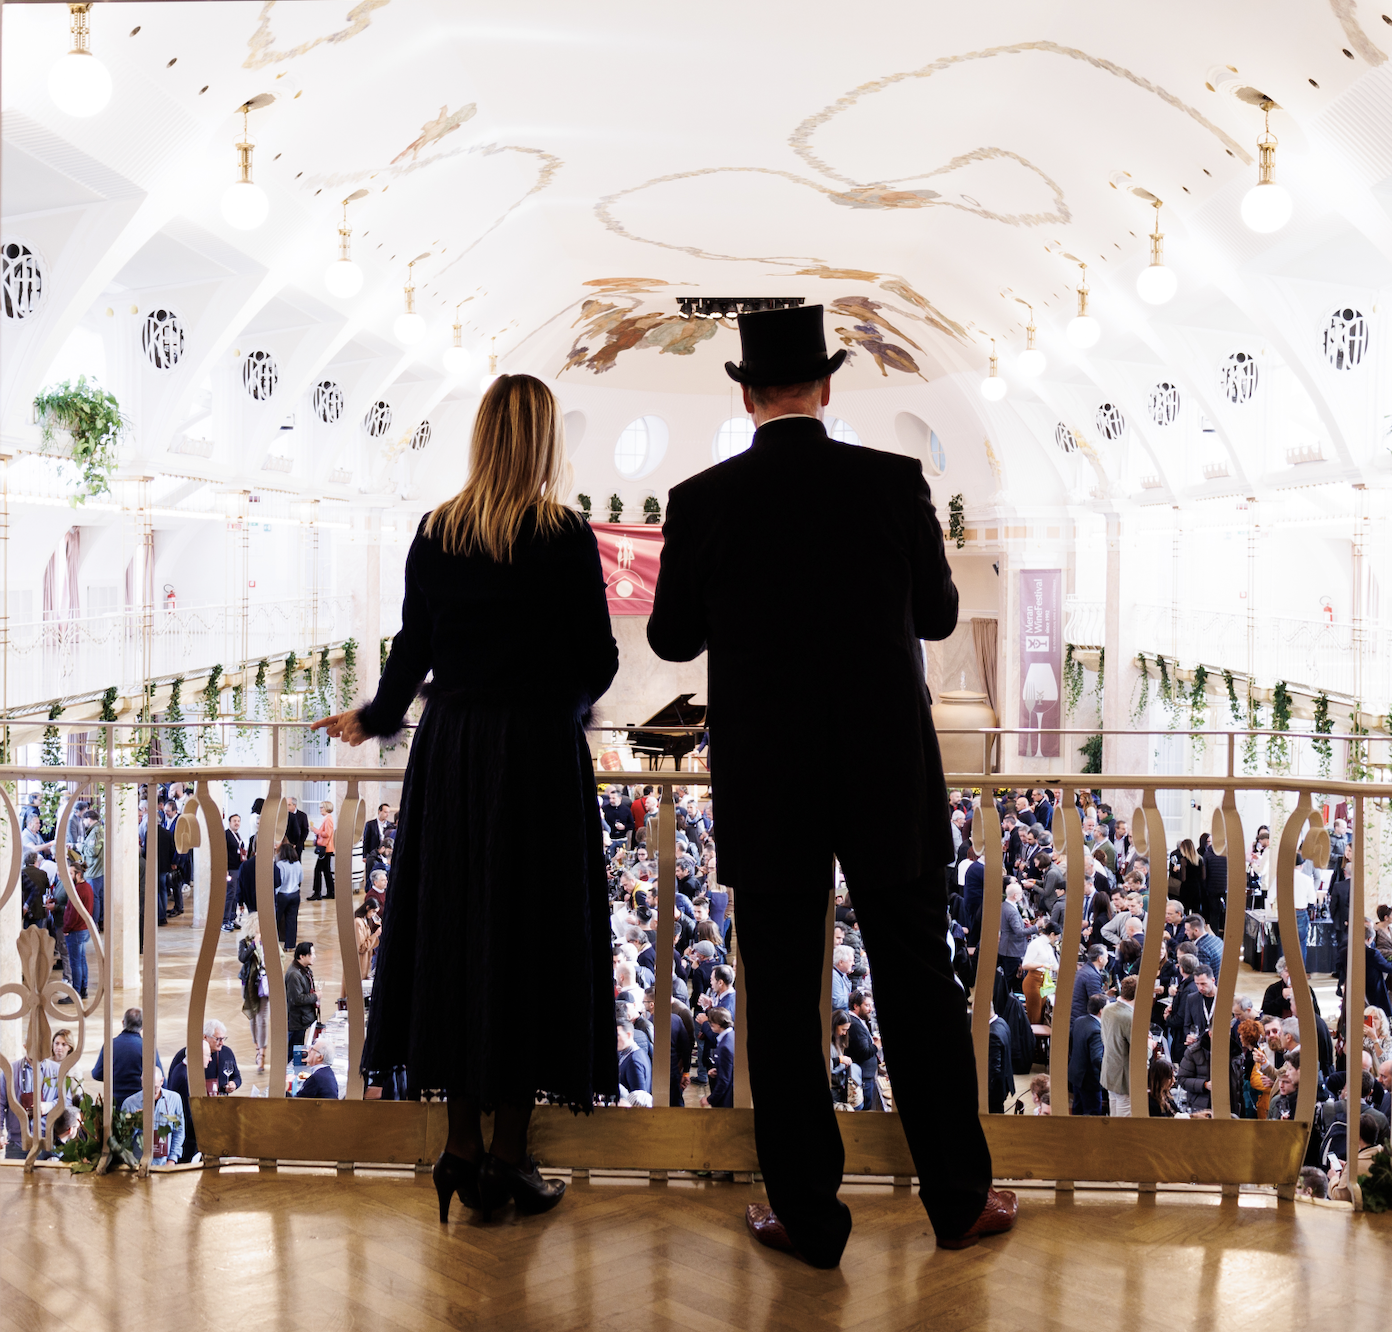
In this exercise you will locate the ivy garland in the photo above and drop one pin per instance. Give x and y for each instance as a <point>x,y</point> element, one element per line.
<point>261,691</point>
<point>1101,676</point>
<point>52,756</point>
<point>1072,680</point>
<point>1233,705</point>
<point>108,714</point>
<point>956,523</point>
<point>1139,711</point>
<point>178,737</point>
<point>1277,747</point>
<point>1324,724</point>
<point>1357,767</point>
<point>348,674</point>
<point>1254,723</point>
<point>1091,750</point>
<point>213,746</point>
<point>1198,708</point>
<point>1169,696</point>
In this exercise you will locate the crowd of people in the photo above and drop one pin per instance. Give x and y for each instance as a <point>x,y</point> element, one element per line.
<point>1260,1051</point>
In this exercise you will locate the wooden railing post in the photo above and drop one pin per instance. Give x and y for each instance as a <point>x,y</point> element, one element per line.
<point>1228,840</point>
<point>1148,816</point>
<point>986,838</point>
<point>1069,821</point>
<point>665,909</point>
<point>1295,962</point>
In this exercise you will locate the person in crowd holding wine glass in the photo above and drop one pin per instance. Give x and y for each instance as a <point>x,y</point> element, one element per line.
<point>505,603</point>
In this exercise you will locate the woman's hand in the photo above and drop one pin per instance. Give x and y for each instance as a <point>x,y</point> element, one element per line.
<point>343,726</point>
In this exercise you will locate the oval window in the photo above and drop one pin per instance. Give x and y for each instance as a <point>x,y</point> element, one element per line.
<point>736,435</point>
<point>640,446</point>
<point>836,428</point>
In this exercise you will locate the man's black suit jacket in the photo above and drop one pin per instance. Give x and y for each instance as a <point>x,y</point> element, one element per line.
<point>860,1045</point>
<point>235,847</point>
<point>297,829</point>
<point>809,570</point>
<point>372,838</point>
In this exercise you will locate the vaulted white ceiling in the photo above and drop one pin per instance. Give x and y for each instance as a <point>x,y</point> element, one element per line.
<point>921,169</point>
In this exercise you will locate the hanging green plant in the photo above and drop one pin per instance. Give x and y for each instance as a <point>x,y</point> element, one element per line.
<point>51,752</point>
<point>1138,712</point>
<point>1169,696</point>
<point>1358,755</point>
<point>174,712</point>
<point>261,692</point>
<point>348,674</point>
<point>956,521</point>
<point>383,652</point>
<point>108,714</point>
<point>585,506</point>
<point>1324,724</point>
<point>1072,680</point>
<point>1254,723</point>
<point>652,511</point>
<point>93,418</point>
<point>1234,706</point>
<point>1097,688</point>
<point>1091,750</point>
<point>1198,709</point>
<point>616,507</point>
<point>1277,747</point>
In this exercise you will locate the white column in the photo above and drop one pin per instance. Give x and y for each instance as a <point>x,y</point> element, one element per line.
<point>122,889</point>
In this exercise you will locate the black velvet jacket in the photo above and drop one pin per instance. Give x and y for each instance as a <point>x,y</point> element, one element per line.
<point>532,631</point>
<point>809,570</point>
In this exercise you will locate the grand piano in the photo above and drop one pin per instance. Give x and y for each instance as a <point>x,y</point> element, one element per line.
<point>681,711</point>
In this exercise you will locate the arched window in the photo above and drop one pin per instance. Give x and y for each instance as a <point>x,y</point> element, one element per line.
<point>836,428</point>
<point>640,446</point>
<point>736,435</point>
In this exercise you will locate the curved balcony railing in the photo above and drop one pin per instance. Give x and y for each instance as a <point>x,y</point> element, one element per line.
<point>1059,1147</point>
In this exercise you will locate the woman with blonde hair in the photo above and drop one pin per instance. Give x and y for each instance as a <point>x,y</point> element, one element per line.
<point>505,603</point>
<point>324,852</point>
<point>1187,877</point>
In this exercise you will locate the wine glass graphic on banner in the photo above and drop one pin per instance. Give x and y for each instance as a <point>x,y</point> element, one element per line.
<point>1040,689</point>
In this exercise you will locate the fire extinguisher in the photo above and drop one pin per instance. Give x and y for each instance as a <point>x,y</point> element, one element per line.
<point>169,596</point>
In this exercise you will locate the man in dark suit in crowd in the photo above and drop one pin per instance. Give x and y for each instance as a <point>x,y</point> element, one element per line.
<point>683,1042</point>
<point>1085,1059</point>
<point>635,1068</point>
<point>236,853</point>
<point>861,1047</point>
<point>754,574</point>
<point>373,832</point>
<point>321,1084</point>
<point>1000,1080</point>
<point>296,825</point>
<point>722,1075</point>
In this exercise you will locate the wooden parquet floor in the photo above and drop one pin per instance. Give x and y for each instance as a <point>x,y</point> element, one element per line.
<point>246,1249</point>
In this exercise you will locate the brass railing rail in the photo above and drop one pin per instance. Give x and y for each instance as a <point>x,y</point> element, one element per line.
<point>1059,1147</point>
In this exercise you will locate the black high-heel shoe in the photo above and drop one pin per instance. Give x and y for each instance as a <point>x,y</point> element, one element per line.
<point>453,1174</point>
<point>498,1181</point>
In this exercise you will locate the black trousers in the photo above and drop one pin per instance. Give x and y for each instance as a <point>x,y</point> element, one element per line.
<point>323,873</point>
<point>922,1014</point>
<point>229,905</point>
<point>287,910</point>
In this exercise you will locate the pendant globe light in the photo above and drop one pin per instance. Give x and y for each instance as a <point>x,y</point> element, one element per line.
<point>1266,207</point>
<point>1030,362</point>
<point>244,203</point>
<point>487,381</point>
<point>1083,330</point>
<point>456,357</point>
<point>993,387</point>
<point>343,277</point>
<point>78,82</point>
<point>409,327</point>
<point>1156,284</point>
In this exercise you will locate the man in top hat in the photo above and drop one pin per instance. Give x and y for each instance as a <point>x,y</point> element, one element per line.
<point>808,570</point>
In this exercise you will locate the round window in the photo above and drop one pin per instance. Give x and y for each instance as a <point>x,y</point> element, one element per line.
<point>1346,338</point>
<point>328,401</point>
<point>836,428</point>
<point>1164,404</point>
<point>1238,377</point>
<point>162,338</point>
<point>640,446</point>
<point>736,435</point>
<point>378,419</point>
<point>23,279</point>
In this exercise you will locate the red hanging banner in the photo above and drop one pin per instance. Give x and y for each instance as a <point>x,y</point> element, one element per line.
<point>629,554</point>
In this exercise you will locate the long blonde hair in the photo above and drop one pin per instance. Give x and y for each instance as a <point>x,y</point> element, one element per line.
<point>517,465</point>
<point>1186,849</point>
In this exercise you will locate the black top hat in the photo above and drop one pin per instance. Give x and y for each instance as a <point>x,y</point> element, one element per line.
<point>783,347</point>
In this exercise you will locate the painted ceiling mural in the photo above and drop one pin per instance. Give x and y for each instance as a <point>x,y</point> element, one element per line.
<point>262,41</point>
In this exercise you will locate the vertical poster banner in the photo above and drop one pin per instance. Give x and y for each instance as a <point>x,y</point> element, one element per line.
<point>630,554</point>
<point>1041,661</point>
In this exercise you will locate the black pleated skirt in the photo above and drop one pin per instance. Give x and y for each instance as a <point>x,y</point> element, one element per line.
<point>494,973</point>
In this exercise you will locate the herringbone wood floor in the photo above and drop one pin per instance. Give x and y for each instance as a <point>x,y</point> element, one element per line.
<point>242,1249</point>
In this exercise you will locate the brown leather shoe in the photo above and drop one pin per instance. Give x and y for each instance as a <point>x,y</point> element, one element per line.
<point>996,1218</point>
<point>768,1229</point>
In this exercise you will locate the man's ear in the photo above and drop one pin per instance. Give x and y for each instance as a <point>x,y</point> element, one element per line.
<point>826,390</point>
<point>748,401</point>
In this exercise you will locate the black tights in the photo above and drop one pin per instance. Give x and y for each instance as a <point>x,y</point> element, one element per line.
<point>509,1130</point>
